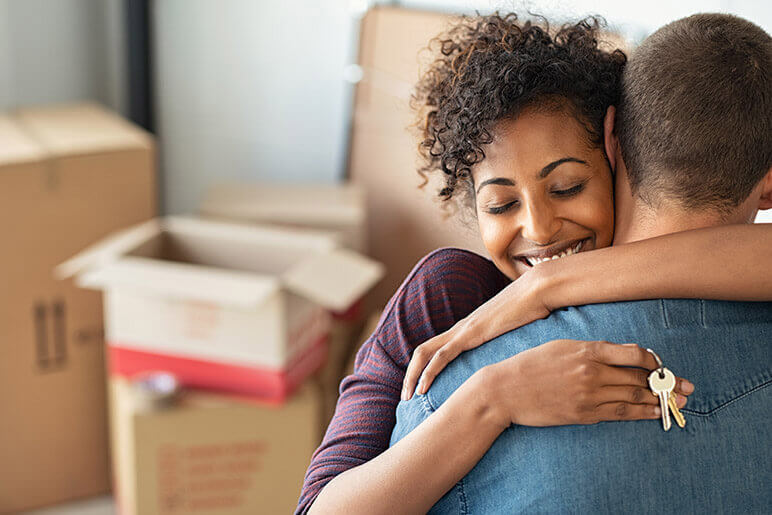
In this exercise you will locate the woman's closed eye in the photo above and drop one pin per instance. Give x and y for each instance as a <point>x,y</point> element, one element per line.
<point>497,210</point>
<point>569,192</point>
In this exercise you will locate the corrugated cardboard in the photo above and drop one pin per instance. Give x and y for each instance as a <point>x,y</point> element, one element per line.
<point>404,222</point>
<point>211,454</point>
<point>335,208</point>
<point>62,187</point>
<point>221,305</point>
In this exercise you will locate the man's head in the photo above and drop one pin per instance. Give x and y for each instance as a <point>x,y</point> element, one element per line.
<point>694,123</point>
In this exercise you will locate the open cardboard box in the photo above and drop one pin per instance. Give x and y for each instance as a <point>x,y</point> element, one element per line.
<point>237,308</point>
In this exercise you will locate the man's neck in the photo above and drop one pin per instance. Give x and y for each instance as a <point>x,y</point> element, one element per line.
<point>641,221</point>
<point>636,220</point>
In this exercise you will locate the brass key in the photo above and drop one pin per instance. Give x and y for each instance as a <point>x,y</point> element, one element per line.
<point>677,415</point>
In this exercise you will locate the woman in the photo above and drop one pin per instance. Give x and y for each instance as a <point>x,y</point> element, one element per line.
<point>507,104</point>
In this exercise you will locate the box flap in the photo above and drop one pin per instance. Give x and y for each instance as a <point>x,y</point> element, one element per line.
<point>265,235</point>
<point>85,128</point>
<point>182,281</point>
<point>334,279</point>
<point>308,205</point>
<point>16,146</point>
<point>108,249</point>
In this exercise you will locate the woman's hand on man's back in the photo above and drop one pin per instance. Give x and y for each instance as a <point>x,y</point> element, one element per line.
<point>520,303</point>
<point>564,382</point>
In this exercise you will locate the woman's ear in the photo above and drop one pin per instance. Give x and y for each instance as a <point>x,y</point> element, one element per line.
<point>610,140</point>
<point>765,201</point>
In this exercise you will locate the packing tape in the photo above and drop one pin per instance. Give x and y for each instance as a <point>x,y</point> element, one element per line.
<point>152,391</point>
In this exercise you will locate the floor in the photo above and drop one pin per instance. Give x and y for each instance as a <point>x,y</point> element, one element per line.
<point>95,506</point>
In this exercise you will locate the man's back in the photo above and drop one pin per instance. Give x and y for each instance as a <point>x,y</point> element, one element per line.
<point>718,463</point>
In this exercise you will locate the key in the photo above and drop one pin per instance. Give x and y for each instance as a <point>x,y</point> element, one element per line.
<point>677,415</point>
<point>662,382</point>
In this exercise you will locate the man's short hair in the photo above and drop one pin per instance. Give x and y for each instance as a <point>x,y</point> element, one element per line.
<point>695,118</point>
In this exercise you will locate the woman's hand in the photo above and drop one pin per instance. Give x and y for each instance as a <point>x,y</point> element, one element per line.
<point>576,382</point>
<point>520,303</point>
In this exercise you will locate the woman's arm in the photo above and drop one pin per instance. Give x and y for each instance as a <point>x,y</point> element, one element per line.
<point>557,383</point>
<point>355,465</point>
<point>722,263</point>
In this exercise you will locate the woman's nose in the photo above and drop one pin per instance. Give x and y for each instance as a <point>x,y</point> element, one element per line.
<point>540,224</point>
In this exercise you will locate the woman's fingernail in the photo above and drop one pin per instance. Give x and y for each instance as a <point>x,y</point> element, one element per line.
<point>687,386</point>
<point>680,400</point>
<point>657,411</point>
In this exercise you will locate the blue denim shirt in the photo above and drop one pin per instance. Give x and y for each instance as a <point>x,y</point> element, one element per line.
<point>721,462</point>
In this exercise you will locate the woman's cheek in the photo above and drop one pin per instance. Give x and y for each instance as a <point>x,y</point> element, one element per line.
<point>497,233</point>
<point>598,215</point>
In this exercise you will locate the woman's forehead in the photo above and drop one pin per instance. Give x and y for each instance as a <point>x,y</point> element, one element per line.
<point>532,140</point>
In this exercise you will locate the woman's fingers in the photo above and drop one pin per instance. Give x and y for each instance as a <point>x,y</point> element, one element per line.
<point>421,356</point>
<point>438,362</point>
<point>621,376</point>
<point>626,411</point>
<point>633,355</point>
<point>627,355</point>
<point>683,386</point>
<point>628,394</point>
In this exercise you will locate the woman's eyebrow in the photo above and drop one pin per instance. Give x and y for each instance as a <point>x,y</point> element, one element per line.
<point>548,169</point>
<point>496,180</point>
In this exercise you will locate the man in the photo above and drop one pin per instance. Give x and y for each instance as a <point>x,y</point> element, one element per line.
<point>692,147</point>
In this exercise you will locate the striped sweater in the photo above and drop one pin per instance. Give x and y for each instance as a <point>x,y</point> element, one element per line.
<point>443,288</point>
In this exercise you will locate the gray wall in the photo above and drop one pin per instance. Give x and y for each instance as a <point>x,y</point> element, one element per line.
<point>250,90</point>
<point>59,51</point>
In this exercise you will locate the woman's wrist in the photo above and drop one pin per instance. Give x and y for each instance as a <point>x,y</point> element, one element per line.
<point>486,398</point>
<point>546,283</point>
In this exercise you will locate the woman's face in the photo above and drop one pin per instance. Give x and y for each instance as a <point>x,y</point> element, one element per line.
<point>542,192</point>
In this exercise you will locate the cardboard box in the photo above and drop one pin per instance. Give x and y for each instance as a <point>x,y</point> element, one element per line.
<point>404,223</point>
<point>225,306</point>
<point>334,208</point>
<point>69,175</point>
<point>338,210</point>
<point>210,454</point>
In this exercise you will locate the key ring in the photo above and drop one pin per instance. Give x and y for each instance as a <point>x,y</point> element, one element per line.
<point>659,362</point>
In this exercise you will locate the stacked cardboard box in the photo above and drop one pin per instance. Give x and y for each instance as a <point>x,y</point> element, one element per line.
<point>241,312</point>
<point>404,222</point>
<point>340,212</point>
<point>69,175</point>
<point>211,454</point>
<point>235,308</point>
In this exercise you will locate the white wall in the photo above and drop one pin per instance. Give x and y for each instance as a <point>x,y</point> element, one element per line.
<point>637,19</point>
<point>250,90</point>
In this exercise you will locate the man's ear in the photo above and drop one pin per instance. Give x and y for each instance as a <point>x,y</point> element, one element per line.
<point>610,141</point>
<point>765,201</point>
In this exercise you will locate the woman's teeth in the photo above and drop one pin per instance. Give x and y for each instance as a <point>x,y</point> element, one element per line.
<point>573,250</point>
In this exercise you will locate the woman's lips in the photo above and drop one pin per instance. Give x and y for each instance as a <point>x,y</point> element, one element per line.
<point>534,258</point>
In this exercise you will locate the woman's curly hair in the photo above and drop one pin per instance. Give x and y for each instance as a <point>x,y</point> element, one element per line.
<point>491,67</point>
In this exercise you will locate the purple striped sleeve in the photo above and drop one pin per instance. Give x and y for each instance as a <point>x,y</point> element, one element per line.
<point>443,288</point>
